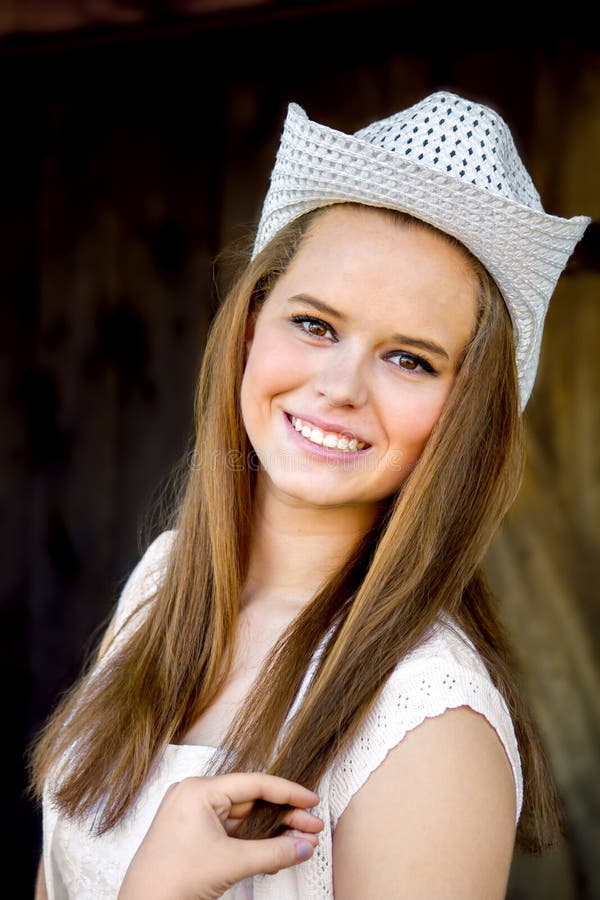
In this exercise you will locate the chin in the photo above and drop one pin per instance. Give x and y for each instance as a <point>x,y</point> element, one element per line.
<point>313,491</point>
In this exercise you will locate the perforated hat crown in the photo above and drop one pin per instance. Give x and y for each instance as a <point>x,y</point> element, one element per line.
<point>453,163</point>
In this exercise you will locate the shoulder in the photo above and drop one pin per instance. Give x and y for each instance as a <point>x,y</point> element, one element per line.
<point>438,815</point>
<point>146,576</point>
<point>140,586</point>
<point>444,673</point>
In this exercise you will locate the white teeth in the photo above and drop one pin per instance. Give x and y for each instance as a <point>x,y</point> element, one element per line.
<point>328,439</point>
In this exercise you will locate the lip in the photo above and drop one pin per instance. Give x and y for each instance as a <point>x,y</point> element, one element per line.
<point>318,450</point>
<point>329,426</point>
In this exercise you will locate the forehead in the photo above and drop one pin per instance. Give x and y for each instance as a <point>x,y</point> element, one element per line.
<point>346,228</point>
<point>364,257</point>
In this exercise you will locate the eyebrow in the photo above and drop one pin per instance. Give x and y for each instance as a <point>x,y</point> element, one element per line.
<point>397,338</point>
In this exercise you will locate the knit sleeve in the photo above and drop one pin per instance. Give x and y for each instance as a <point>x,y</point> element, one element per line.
<point>141,585</point>
<point>444,675</point>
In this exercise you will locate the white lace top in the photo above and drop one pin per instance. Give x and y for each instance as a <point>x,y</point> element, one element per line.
<point>444,672</point>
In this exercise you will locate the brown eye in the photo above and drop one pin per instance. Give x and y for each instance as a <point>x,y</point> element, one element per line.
<point>407,362</point>
<point>313,326</point>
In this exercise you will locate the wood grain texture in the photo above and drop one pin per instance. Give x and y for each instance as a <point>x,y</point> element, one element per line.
<point>545,563</point>
<point>125,169</point>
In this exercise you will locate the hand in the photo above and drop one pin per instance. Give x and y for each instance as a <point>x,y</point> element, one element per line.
<point>188,852</point>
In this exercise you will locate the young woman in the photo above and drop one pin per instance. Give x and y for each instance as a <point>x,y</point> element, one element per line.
<point>317,612</point>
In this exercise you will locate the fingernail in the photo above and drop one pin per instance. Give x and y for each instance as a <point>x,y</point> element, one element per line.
<point>304,850</point>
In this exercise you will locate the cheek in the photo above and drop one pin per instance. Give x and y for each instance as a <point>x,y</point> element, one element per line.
<point>411,430</point>
<point>415,422</point>
<point>274,362</point>
<point>271,369</point>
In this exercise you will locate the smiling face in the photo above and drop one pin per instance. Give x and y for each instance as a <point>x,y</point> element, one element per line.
<point>352,357</point>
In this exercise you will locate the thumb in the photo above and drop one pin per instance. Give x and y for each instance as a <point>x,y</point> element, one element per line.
<point>269,855</point>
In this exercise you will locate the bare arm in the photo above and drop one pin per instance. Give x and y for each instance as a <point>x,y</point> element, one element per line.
<point>436,819</point>
<point>40,883</point>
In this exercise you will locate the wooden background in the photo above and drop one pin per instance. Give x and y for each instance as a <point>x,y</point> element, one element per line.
<point>136,143</point>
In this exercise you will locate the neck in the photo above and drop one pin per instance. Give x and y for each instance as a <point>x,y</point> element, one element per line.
<point>296,546</point>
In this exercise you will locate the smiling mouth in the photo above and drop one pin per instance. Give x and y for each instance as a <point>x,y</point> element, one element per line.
<point>330,439</point>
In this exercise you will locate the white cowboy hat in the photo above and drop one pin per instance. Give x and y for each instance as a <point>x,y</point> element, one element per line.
<point>453,163</point>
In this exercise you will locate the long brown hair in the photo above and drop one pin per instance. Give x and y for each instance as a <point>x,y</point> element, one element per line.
<point>420,559</point>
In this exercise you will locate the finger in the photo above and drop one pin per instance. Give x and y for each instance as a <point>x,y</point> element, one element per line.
<point>244,787</point>
<point>272,854</point>
<point>302,820</point>
<point>241,810</point>
<point>299,819</point>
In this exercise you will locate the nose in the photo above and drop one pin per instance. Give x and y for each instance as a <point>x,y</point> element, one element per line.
<point>342,380</point>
